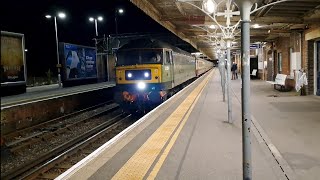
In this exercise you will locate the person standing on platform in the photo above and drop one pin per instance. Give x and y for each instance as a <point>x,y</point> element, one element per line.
<point>234,69</point>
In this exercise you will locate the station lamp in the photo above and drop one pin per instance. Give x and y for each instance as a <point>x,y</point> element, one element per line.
<point>95,20</point>
<point>60,15</point>
<point>209,6</point>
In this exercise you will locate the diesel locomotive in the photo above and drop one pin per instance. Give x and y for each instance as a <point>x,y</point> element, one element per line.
<point>149,71</point>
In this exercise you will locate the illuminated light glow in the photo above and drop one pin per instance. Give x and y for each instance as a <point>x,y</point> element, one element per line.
<point>100,18</point>
<point>61,15</point>
<point>256,26</point>
<point>121,11</point>
<point>129,75</point>
<point>48,16</point>
<point>91,19</point>
<point>141,85</point>
<point>26,50</point>
<point>146,74</point>
<point>212,26</point>
<point>209,6</point>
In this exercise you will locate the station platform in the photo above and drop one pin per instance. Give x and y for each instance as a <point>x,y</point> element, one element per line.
<point>39,93</point>
<point>188,137</point>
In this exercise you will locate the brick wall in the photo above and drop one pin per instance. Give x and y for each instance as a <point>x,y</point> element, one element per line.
<point>282,46</point>
<point>308,58</point>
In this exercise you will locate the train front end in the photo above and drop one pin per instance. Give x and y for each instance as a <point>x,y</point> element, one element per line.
<point>139,86</point>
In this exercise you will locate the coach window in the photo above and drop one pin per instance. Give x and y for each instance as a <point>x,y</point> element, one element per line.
<point>168,57</point>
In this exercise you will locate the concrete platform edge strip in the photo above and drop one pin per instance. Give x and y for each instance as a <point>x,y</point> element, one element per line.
<point>115,139</point>
<point>45,98</point>
<point>261,135</point>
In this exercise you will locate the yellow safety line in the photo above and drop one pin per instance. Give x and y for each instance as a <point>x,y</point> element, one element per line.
<point>165,153</point>
<point>139,164</point>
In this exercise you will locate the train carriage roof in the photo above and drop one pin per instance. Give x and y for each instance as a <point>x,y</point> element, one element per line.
<point>146,43</point>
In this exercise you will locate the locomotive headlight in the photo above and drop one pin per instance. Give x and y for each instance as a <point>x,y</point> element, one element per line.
<point>141,85</point>
<point>146,74</point>
<point>129,75</point>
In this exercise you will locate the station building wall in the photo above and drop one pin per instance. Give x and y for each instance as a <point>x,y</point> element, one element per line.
<point>282,46</point>
<point>309,36</point>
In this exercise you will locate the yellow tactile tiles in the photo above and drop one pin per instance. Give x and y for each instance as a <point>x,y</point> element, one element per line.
<point>139,164</point>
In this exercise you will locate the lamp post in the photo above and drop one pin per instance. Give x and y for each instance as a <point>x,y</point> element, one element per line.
<point>95,20</point>
<point>61,15</point>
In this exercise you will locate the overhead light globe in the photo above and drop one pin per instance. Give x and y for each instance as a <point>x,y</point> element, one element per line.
<point>256,26</point>
<point>209,6</point>
<point>121,11</point>
<point>61,15</point>
<point>100,18</point>
<point>91,19</point>
<point>48,16</point>
<point>212,26</point>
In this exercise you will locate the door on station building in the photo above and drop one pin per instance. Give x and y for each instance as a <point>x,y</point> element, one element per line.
<point>318,67</point>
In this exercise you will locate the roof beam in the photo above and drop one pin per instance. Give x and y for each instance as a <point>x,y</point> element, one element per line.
<point>151,11</point>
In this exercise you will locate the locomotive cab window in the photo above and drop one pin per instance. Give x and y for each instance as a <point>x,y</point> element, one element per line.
<point>141,56</point>
<point>168,57</point>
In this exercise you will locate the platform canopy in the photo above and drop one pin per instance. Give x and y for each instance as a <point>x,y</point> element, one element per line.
<point>184,19</point>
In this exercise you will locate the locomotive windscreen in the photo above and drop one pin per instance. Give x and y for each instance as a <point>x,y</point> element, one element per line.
<point>138,56</point>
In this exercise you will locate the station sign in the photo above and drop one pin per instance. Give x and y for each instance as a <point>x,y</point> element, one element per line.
<point>255,46</point>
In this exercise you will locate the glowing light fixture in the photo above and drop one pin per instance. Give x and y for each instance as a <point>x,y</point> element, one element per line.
<point>209,6</point>
<point>256,26</point>
<point>146,74</point>
<point>129,75</point>
<point>91,19</point>
<point>121,11</point>
<point>61,15</point>
<point>100,18</point>
<point>48,16</point>
<point>141,85</point>
<point>212,26</point>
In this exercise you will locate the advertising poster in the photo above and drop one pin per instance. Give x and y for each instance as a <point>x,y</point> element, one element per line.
<point>12,58</point>
<point>80,62</point>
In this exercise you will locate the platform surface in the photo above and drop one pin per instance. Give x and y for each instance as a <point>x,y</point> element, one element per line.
<point>50,91</point>
<point>188,137</point>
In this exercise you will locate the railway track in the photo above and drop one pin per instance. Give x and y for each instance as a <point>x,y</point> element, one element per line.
<point>39,145</point>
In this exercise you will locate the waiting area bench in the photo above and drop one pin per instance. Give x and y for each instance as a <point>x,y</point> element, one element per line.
<point>254,73</point>
<point>279,81</point>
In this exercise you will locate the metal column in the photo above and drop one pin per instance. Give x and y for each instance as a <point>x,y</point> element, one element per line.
<point>57,48</point>
<point>228,81</point>
<point>223,75</point>
<point>245,7</point>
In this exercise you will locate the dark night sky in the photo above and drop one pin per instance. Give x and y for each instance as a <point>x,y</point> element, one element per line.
<point>28,17</point>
